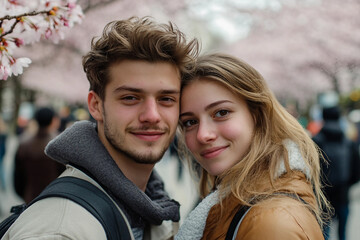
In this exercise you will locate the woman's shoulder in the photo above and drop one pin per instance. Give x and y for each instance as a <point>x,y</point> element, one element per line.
<point>280,218</point>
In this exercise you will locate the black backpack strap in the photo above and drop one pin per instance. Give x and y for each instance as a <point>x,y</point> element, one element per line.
<point>235,223</point>
<point>240,214</point>
<point>93,200</point>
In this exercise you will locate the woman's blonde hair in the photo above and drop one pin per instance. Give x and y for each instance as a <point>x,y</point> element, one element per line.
<point>273,125</point>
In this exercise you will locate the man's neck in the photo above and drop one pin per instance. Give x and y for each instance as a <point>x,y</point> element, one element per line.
<point>138,173</point>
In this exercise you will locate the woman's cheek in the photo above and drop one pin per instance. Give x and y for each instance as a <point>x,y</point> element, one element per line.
<point>229,132</point>
<point>190,141</point>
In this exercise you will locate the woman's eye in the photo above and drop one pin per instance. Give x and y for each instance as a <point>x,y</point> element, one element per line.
<point>189,123</point>
<point>221,113</point>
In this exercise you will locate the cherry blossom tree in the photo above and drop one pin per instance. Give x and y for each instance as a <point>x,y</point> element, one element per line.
<point>302,47</point>
<point>26,22</point>
<point>305,47</point>
<point>60,64</point>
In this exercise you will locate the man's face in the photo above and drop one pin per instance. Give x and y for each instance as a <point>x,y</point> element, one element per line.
<point>139,114</point>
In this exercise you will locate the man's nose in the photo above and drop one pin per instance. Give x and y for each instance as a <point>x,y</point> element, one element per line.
<point>150,112</point>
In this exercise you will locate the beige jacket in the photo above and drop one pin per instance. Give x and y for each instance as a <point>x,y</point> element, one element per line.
<point>59,218</point>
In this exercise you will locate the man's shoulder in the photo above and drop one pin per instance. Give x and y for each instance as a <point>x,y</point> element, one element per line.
<point>61,217</point>
<point>56,217</point>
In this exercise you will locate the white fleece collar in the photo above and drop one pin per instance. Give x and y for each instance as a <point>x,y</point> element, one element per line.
<point>296,161</point>
<point>194,224</point>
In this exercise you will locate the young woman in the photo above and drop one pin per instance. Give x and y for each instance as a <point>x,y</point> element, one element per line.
<point>252,152</point>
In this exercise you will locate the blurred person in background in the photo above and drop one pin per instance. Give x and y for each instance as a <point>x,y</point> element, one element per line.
<point>66,118</point>
<point>33,170</point>
<point>342,168</point>
<point>3,135</point>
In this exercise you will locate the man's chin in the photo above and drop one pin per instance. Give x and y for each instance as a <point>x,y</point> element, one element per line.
<point>148,157</point>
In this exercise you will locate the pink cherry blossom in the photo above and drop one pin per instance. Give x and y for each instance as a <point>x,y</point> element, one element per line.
<point>26,22</point>
<point>19,64</point>
<point>4,72</point>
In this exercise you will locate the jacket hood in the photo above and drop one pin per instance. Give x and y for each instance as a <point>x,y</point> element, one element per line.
<point>80,145</point>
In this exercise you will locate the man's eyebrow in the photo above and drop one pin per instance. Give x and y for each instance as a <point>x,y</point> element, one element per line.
<point>139,90</point>
<point>169,91</point>
<point>126,88</point>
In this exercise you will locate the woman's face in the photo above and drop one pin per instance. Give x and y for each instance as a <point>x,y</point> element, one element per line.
<point>218,125</point>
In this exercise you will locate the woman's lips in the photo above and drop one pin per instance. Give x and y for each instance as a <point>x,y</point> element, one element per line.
<point>213,152</point>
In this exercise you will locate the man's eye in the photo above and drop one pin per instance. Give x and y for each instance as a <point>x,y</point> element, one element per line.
<point>129,98</point>
<point>167,100</point>
<point>221,113</point>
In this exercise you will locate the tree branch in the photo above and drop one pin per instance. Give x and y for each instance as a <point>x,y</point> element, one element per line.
<point>18,18</point>
<point>33,13</point>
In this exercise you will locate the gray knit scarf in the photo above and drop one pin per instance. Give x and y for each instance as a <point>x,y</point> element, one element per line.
<point>81,146</point>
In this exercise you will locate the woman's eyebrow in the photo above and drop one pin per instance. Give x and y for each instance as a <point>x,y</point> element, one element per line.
<point>216,103</point>
<point>186,114</point>
<point>206,108</point>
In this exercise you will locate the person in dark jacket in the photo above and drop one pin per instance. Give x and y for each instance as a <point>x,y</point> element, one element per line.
<point>3,137</point>
<point>341,170</point>
<point>33,169</point>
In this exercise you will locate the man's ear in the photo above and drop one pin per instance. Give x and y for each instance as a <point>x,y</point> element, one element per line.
<point>95,106</point>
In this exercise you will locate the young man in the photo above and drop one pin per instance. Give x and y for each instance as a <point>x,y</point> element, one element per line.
<point>134,70</point>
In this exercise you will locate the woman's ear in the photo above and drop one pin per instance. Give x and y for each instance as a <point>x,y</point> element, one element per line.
<point>95,105</point>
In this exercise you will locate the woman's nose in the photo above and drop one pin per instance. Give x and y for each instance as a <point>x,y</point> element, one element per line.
<point>206,132</point>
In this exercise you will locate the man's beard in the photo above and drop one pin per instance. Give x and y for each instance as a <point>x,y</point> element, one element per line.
<point>118,142</point>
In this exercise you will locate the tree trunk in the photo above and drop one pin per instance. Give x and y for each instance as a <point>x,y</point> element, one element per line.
<point>17,88</point>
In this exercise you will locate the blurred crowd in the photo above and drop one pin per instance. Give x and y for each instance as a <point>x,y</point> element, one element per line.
<point>37,125</point>
<point>30,169</point>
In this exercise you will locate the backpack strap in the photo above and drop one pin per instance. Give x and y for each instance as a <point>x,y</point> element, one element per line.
<point>241,213</point>
<point>235,223</point>
<point>93,200</point>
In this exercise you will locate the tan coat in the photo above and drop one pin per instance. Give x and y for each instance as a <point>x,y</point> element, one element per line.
<point>276,218</point>
<point>62,219</point>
